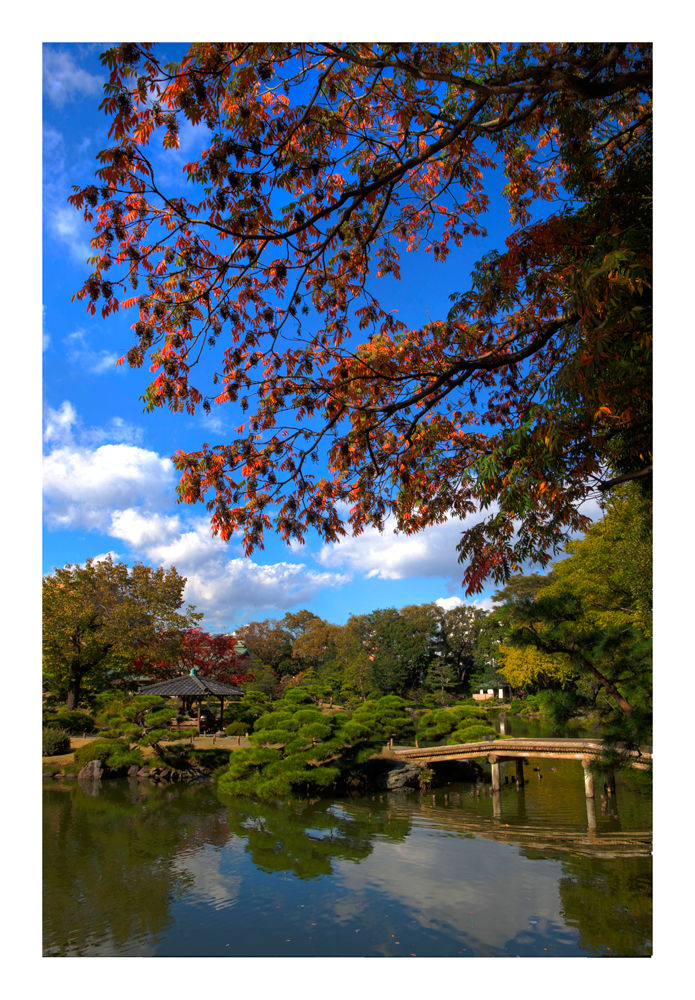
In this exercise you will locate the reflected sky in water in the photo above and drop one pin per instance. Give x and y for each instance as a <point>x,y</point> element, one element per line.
<point>137,869</point>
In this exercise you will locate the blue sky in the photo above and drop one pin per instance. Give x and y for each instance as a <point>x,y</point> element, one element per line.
<point>108,480</point>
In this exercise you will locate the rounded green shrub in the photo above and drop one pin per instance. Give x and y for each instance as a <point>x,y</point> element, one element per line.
<point>236,729</point>
<point>55,741</point>
<point>71,722</point>
<point>470,734</point>
<point>297,696</point>
<point>101,749</point>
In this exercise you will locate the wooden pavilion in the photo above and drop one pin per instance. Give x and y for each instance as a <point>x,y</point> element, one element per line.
<point>191,686</point>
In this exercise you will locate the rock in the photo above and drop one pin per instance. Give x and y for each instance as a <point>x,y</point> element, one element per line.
<point>143,772</point>
<point>116,772</point>
<point>47,775</point>
<point>133,769</point>
<point>92,771</point>
<point>71,777</point>
<point>165,773</point>
<point>402,773</point>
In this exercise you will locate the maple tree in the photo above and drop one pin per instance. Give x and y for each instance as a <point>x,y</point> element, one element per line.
<point>212,655</point>
<point>319,164</point>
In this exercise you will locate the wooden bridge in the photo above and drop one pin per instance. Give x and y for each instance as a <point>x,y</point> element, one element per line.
<point>521,748</point>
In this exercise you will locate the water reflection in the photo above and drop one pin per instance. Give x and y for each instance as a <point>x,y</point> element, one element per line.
<point>136,869</point>
<point>307,837</point>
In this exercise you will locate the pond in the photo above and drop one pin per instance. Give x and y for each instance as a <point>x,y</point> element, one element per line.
<point>135,869</point>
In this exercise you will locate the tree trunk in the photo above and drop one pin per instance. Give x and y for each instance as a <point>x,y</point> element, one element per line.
<point>73,694</point>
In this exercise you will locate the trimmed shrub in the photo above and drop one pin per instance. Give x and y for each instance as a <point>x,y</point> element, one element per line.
<point>71,722</point>
<point>471,734</point>
<point>101,749</point>
<point>54,741</point>
<point>236,729</point>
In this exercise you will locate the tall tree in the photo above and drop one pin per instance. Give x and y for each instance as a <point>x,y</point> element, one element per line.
<point>319,162</point>
<point>269,643</point>
<point>459,631</point>
<point>597,613</point>
<point>102,616</point>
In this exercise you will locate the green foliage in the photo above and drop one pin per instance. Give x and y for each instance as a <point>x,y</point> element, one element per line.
<point>292,746</point>
<point>208,757</point>
<point>54,741</point>
<point>296,696</point>
<point>516,705</point>
<point>236,729</point>
<point>385,717</point>
<point>98,618</point>
<point>535,703</point>
<point>434,725</point>
<point>596,612</point>
<point>160,718</point>
<point>71,722</point>
<point>126,758</point>
<point>247,710</point>
<point>102,749</point>
<point>471,734</point>
<point>426,776</point>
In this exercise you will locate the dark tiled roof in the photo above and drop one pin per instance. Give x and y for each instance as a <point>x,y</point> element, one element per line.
<point>190,684</point>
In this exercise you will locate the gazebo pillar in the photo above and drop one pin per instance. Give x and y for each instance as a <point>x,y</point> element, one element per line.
<point>199,716</point>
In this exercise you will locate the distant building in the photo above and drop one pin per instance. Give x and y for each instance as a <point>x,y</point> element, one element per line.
<point>501,692</point>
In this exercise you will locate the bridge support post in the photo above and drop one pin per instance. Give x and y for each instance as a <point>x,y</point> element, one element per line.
<point>588,778</point>
<point>497,803</point>
<point>495,767</point>
<point>610,782</point>
<point>519,772</point>
<point>591,813</point>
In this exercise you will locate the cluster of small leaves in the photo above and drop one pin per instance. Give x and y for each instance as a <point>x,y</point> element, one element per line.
<point>54,741</point>
<point>321,162</point>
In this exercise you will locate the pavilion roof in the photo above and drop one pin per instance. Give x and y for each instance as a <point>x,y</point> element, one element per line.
<point>188,684</point>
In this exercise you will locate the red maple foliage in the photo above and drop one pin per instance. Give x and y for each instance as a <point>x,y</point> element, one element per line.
<point>213,656</point>
<point>319,164</point>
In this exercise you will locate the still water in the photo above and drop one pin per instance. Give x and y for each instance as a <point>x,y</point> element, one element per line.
<point>134,869</point>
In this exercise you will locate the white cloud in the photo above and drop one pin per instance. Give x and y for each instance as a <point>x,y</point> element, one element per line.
<point>53,149</point>
<point>82,487</point>
<point>58,423</point>
<point>81,354</point>
<point>224,588</point>
<point>449,603</point>
<point>117,429</point>
<point>70,228</point>
<point>143,531</point>
<point>388,556</point>
<point>122,490</point>
<point>64,80</point>
<point>103,556</point>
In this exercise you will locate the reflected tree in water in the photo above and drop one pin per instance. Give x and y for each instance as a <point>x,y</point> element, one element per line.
<point>305,838</point>
<point>108,868</point>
